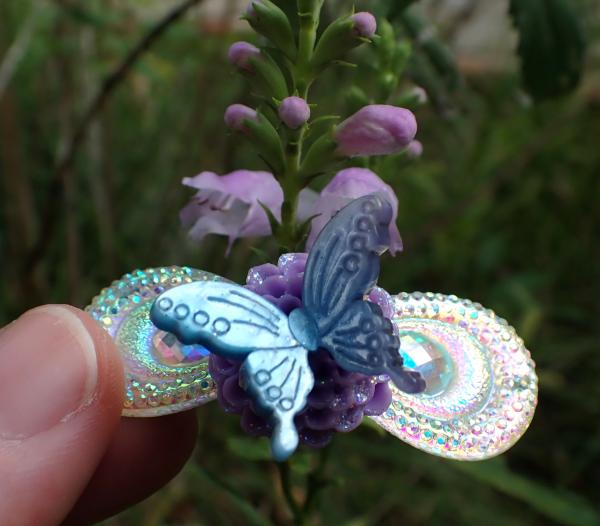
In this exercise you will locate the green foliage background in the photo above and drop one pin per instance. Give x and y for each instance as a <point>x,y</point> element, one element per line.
<point>503,209</point>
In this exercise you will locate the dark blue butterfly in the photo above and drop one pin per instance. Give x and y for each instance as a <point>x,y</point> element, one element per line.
<point>231,321</point>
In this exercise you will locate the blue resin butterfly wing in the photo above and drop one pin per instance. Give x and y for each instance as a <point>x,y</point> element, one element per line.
<point>227,319</point>
<point>279,383</point>
<point>234,322</point>
<point>343,264</point>
<point>364,341</point>
<point>342,267</point>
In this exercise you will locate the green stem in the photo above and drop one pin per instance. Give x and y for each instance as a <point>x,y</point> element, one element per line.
<point>316,481</point>
<point>286,485</point>
<point>309,12</point>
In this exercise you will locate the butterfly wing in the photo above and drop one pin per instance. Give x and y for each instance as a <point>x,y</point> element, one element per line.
<point>342,267</point>
<point>364,341</point>
<point>233,322</point>
<point>279,382</point>
<point>226,318</point>
<point>344,262</point>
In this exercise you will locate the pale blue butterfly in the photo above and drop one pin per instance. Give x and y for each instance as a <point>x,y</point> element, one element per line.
<point>233,322</point>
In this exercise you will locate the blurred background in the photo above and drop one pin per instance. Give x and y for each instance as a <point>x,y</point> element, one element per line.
<point>105,105</point>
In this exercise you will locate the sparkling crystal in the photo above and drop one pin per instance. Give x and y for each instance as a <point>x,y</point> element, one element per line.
<point>428,357</point>
<point>170,351</point>
<point>162,376</point>
<point>482,387</point>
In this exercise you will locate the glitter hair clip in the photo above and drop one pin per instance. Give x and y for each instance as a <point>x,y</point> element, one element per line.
<point>463,384</point>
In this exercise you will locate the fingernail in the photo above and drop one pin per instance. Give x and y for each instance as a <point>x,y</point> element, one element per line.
<point>48,371</point>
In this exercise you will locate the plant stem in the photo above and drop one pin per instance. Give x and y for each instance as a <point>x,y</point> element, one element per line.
<point>286,486</point>
<point>316,481</point>
<point>309,12</point>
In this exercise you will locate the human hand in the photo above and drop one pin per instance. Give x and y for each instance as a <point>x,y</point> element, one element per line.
<point>66,455</point>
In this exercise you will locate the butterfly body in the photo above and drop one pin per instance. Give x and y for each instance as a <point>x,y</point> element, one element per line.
<point>235,323</point>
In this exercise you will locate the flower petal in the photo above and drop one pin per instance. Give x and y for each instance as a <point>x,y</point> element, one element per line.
<point>346,186</point>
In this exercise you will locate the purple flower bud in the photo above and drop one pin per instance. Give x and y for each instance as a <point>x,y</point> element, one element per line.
<point>237,114</point>
<point>240,54</point>
<point>378,129</point>
<point>414,149</point>
<point>294,112</point>
<point>365,24</point>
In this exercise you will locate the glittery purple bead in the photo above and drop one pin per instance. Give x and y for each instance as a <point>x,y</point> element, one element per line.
<point>339,399</point>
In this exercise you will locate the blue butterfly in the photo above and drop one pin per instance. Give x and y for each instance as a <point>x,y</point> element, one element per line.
<point>233,322</point>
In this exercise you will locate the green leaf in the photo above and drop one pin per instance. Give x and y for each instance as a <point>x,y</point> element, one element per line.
<point>551,46</point>
<point>269,75</point>
<point>270,21</point>
<point>560,506</point>
<point>275,225</point>
<point>319,157</point>
<point>267,141</point>
<point>253,449</point>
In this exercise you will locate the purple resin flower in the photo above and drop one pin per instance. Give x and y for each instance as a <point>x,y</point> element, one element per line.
<point>237,114</point>
<point>346,186</point>
<point>365,24</point>
<point>294,112</point>
<point>232,204</point>
<point>240,54</point>
<point>377,129</point>
<point>339,399</point>
<point>415,149</point>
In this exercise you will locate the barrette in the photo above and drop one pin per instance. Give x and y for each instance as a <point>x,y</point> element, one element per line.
<point>462,383</point>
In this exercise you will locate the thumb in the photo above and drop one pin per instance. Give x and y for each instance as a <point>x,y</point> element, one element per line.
<point>61,385</point>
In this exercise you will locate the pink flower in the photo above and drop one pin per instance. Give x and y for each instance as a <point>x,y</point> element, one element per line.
<point>414,150</point>
<point>294,112</point>
<point>232,205</point>
<point>240,54</point>
<point>377,129</point>
<point>346,186</point>
<point>365,24</point>
<point>237,114</point>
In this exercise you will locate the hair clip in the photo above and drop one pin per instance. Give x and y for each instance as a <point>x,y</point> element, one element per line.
<point>463,384</point>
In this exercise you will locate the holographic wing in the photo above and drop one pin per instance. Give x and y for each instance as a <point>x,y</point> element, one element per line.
<point>279,382</point>
<point>342,267</point>
<point>227,319</point>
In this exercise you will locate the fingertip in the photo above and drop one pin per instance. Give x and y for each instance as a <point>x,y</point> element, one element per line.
<point>111,371</point>
<point>61,396</point>
<point>145,454</point>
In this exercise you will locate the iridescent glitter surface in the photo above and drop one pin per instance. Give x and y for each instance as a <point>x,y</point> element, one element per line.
<point>163,376</point>
<point>481,382</point>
